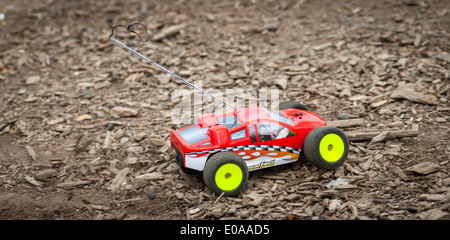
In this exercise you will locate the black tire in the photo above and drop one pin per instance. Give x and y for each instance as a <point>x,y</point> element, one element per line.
<point>329,154</point>
<point>231,179</point>
<point>294,105</point>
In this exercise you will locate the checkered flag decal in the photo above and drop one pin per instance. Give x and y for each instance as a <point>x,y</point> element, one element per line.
<point>253,147</point>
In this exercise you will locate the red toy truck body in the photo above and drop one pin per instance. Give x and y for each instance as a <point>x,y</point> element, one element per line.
<point>227,147</point>
<point>261,137</point>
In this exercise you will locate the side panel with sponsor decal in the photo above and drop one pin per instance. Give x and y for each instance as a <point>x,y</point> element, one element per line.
<point>195,162</point>
<point>256,156</point>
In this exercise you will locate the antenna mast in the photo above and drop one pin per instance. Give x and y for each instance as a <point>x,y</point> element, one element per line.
<point>129,28</point>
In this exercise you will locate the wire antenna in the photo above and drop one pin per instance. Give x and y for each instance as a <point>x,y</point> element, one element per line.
<point>130,29</point>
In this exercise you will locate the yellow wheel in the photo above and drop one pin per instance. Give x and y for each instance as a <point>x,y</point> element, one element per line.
<point>331,147</point>
<point>228,177</point>
<point>326,147</point>
<point>225,172</point>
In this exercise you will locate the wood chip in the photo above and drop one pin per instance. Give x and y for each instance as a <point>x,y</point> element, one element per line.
<point>33,181</point>
<point>258,201</point>
<point>46,174</point>
<point>378,103</point>
<point>107,140</point>
<point>119,180</point>
<point>346,123</point>
<point>168,31</point>
<point>444,56</point>
<point>32,80</point>
<point>433,214</point>
<point>365,136</point>
<point>380,137</point>
<point>31,152</point>
<point>414,96</point>
<point>398,171</point>
<point>125,112</point>
<point>72,184</point>
<point>157,142</point>
<point>83,117</point>
<point>424,168</point>
<point>322,46</point>
<point>334,205</point>
<point>55,121</point>
<point>345,187</point>
<point>151,176</point>
<point>435,197</point>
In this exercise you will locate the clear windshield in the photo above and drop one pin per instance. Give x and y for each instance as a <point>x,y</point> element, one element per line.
<point>230,121</point>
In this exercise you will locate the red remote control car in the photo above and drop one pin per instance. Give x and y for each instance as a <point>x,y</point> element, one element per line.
<point>227,147</point>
